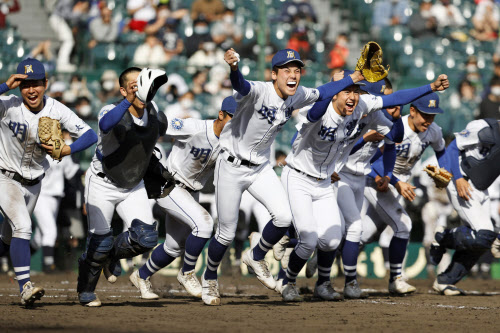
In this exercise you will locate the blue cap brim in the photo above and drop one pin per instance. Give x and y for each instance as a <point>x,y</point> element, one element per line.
<point>289,61</point>
<point>430,111</point>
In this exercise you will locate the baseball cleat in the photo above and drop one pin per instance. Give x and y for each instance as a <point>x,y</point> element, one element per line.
<point>290,293</point>
<point>189,281</point>
<point>495,248</point>
<point>210,291</point>
<point>400,287</point>
<point>260,269</point>
<point>312,265</point>
<point>286,258</point>
<point>326,292</point>
<point>280,248</point>
<point>353,291</point>
<point>279,286</point>
<point>89,299</point>
<point>30,294</point>
<point>447,289</point>
<point>144,286</point>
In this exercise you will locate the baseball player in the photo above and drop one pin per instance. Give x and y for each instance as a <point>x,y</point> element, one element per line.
<point>47,207</point>
<point>384,208</point>
<point>473,157</point>
<point>351,186</point>
<point>321,150</point>
<point>128,132</point>
<point>23,163</point>
<point>243,164</point>
<point>192,162</point>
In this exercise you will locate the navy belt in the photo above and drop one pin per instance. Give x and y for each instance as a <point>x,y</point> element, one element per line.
<point>305,174</point>
<point>231,159</point>
<point>18,178</point>
<point>184,186</point>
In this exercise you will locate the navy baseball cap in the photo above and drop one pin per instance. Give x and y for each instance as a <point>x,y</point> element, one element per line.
<point>229,105</point>
<point>285,56</point>
<point>33,68</point>
<point>349,72</point>
<point>374,88</point>
<point>428,104</point>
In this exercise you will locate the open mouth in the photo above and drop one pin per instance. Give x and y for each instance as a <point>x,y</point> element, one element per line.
<point>32,99</point>
<point>291,84</point>
<point>349,106</point>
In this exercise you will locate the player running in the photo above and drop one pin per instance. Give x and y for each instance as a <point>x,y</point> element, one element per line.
<point>23,163</point>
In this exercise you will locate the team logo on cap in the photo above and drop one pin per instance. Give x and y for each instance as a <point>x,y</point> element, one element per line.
<point>28,69</point>
<point>432,103</point>
<point>290,54</point>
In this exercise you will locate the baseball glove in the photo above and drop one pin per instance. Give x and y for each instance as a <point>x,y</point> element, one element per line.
<point>440,176</point>
<point>49,132</point>
<point>370,63</point>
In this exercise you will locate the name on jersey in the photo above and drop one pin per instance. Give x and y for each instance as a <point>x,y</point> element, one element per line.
<point>330,133</point>
<point>201,154</point>
<point>19,130</point>
<point>269,113</point>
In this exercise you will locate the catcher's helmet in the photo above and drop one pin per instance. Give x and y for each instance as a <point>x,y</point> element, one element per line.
<point>148,83</point>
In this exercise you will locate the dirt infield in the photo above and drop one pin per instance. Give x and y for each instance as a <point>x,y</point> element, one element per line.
<point>247,306</point>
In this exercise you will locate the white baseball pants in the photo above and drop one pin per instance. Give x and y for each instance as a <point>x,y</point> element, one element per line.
<point>350,196</point>
<point>45,212</point>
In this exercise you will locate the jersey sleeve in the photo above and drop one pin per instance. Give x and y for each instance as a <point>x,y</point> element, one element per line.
<point>5,103</point>
<point>72,123</point>
<point>380,123</point>
<point>256,88</point>
<point>469,136</point>
<point>182,129</point>
<point>372,103</point>
<point>311,95</point>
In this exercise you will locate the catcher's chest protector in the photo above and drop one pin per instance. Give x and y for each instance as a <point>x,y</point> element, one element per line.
<point>483,172</point>
<point>128,164</point>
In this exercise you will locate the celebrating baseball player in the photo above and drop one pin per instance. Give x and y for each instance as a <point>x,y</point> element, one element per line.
<point>320,150</point>
<point>384,208</point>
<point>474,158</point>
<point>128,132</point>
<point>384,125</point>
<point>243,164</point>
<point>190,226</point>
<point>23,163</point>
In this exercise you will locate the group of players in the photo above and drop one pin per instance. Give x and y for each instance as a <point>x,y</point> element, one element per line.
<point>349,130</point>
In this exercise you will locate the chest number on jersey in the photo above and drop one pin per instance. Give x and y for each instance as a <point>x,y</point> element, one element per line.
<point>267,113</point>
<point>328,133</point>
<point>19,130</point>
<point>201,154</point>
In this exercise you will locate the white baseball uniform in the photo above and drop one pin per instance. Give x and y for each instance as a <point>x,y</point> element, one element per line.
<point>22,155</point>
<point>102,195</point>
<point>476,211</point>
<point>385,207</point>
<point>320,149</point>
<point>192,161</point>
<point>248,137</point>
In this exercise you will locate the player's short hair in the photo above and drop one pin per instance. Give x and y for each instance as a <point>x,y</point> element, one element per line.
<point>226,114</point>
<point>123,76</point>
<point>495,81</point>
<point>388,84</point>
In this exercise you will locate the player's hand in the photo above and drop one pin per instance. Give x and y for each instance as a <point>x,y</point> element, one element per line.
<point>406,190</point>
<point>357,76</point>
<point>335,177</point>
<point>394,112</point>
<point>131,90</point>
<point>382,183</point>
<point>15,80</point>
<point>338,76</point>
<point>441,83</point>
<point>464,189</point>
<point>64,152</point>
<point>232,58</point>
<point>372,136</point>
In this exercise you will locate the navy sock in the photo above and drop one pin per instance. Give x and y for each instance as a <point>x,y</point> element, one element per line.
<point>159,259</point>
<point>294,267</point>
<point>215,254</point>
<point>350,253</point>
<point>281,274</point>
<point>270,236</point>
<point>194,246</point>
<point>325,262</point>
<point>293,242</point>
<point>4,248</point>
<point>20,257</point>
<point>397,251</point>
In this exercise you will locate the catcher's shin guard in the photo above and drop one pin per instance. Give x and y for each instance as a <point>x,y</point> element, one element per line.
<point>91,261</point>
<point>460,265</point>
<point>139,238</point>
<point>464,238</point>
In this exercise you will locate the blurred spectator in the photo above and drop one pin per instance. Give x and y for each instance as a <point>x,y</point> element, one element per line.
<point>201,34</point>
<point>485,21</point>
<point>199,80</point>
<point>175,87</point>
<point>103,29</point>
<point>150,53</point>
<point>225,32</point>
<point>208,55</point>
<point>142,12</point>
<point>210,10</point>
<point>496,68</point>
<point>473,74</point>
<point>110,88</point>
<point>164,16</point>
<point>466,95</point>
<point>388,13</point>
<point>7,7</point>
<point>172,42</point>
<point>338,55</point>
<point>490,105</point>
<point>77,88</point>
<point>447,14</point>
<point>298,10</point>
<point>43,53</point>
<point>56,91</point>
<point>422,24</point>
<point>183,108</point>
<point>83,108</point>
<point>300,42</point>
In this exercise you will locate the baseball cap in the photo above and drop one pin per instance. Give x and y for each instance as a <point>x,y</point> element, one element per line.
<point>428,104</point>
<point>349,72</point>
<point>33,68</point>
<point>229,105</point>
<point>285,56</point>
<point>374,88</point>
